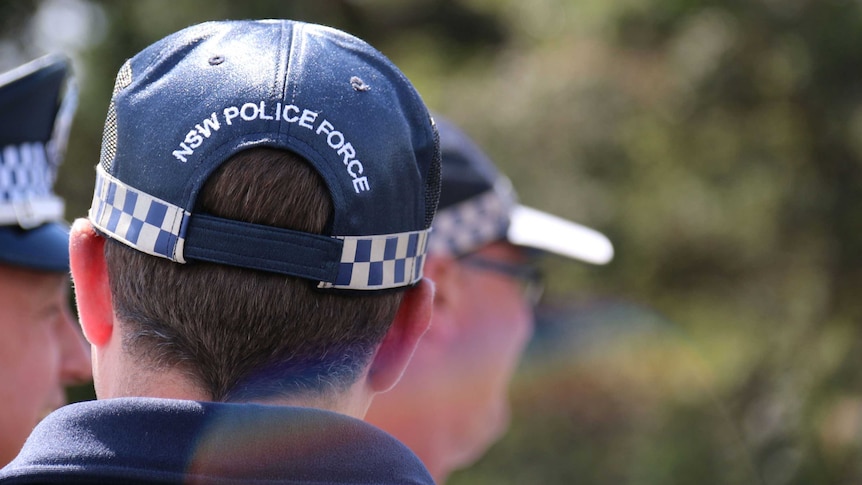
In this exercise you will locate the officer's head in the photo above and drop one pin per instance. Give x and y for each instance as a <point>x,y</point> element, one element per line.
<point>42,347</point>
<point>266,189</point>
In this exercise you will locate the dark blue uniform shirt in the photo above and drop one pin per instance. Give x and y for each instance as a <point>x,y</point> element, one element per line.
<point>144,440</point>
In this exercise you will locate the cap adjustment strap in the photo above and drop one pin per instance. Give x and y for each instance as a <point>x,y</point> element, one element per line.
<point>159,228</point>
<point>260,247</point>
<point>140,220</point>
<point>383,261</point>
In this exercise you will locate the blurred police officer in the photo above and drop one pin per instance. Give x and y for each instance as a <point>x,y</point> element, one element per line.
<point>42,350</point>
<point>452,403</point>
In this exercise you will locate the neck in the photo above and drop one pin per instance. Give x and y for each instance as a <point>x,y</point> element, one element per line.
<point>428,439</point>
<point>133,380</point>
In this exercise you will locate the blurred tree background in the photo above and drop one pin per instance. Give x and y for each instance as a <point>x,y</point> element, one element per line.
<point>718,143</point>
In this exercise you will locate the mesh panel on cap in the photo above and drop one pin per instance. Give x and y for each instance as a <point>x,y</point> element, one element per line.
<point>432,183</point>
<point>109,136</point>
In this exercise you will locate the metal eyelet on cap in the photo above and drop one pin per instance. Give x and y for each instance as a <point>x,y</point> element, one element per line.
<point>358,84</point>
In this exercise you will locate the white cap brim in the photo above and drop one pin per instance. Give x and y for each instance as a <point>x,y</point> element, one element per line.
<point>536,229</point>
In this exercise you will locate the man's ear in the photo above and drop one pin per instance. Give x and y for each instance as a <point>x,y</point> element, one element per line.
<point>90,277</point>
<point>441,270</point>
<point>444,271</point>
<point>411,322</point>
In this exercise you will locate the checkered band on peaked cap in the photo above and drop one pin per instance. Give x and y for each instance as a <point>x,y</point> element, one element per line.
<point>478,206</point>
<point>184,105</point>
<point>37,103</point>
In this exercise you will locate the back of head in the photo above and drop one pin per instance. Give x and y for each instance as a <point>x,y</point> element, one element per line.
<point>245,333</point>
<point>268,187</point>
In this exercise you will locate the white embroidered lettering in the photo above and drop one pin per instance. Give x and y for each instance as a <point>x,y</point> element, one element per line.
<point>337,135</point>
<point>243,112</point>
<point>263,114</point>
<point>325,127</point>
<point>193,139</point>
<point>347,152</point>
<point>209,125</point>
<point>355,163</point>
<point>182,152</point>
<point>307,119</point>
<point>230,113</point>
<point>251,111</point>
<point>287,108</point>
<point>361,184</point>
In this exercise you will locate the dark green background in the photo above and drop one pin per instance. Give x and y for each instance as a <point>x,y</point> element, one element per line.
<point>716,142</point>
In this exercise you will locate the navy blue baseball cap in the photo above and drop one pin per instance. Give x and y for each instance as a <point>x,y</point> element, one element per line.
<point>187,103</point>
<point>37,103</point>
<point>478,206</point>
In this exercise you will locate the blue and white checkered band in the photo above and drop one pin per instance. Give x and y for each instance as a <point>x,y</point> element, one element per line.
<point>466,226</point>
<point>139,220</point>
<point>159,228</point>
<point>379,262</point>
<point>26,178</point>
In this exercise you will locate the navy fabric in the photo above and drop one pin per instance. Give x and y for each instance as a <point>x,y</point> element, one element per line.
<point>467,171</point>
<point>29,102</point>
<point>311,255</point>
<point>44,248</point>
<point>145,440</point>
<point>190,101</point>
<point>30,152</point>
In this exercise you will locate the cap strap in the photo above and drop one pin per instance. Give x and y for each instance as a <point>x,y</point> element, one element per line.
<point>260,247</point>
<point>378,262</point>
<point>160,228</point>
<point>139,220</point>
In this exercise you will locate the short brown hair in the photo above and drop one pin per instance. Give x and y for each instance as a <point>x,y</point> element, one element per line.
<point>241,333</point>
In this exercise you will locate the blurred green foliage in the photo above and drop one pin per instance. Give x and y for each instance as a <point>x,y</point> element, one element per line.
<point>718,143</point>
